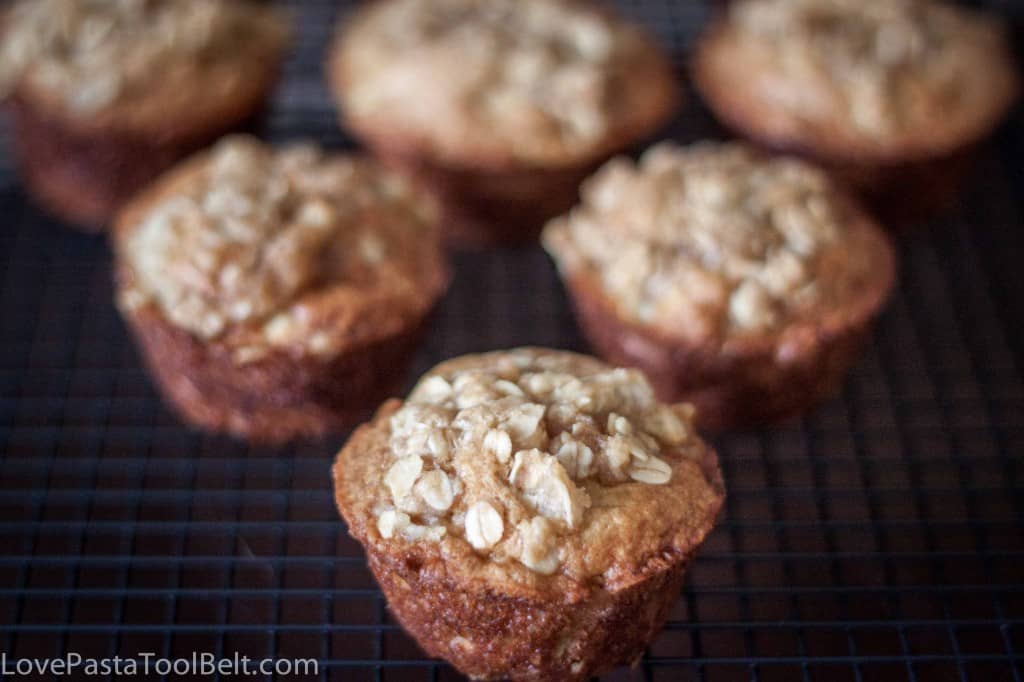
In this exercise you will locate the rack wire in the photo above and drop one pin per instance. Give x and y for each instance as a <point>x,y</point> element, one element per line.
<point>878,537</point>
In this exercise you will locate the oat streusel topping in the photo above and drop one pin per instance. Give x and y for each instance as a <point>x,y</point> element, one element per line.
<point>251,231</point>
<point>893,63</point>
<point>95,53</point>
<point>711,240</point>
<point>520,450</point>
<point>543,75</point>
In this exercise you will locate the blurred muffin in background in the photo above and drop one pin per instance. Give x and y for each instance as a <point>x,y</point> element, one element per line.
<point>502,106</point>
<point>278,294</point>
<point>106,94</point>
<point>890,95</point>
<point>743,284</point>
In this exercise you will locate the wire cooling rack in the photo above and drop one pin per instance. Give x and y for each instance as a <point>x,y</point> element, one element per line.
<point>877,538</point>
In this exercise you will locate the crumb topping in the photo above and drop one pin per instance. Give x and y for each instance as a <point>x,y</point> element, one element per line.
<point>250,231</point>
<point>543,75</point>
<point>891,63</point>
<point>516,453</point>
<point>711,239</point>
<point>95,53</point>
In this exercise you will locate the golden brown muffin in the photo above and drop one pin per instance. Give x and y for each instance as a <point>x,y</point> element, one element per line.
<point>890,96</point>
<point>503,106</point>
<point>529,513</point>
<point>105,95</point>
<point>743,284</point>
<point>277,294</point>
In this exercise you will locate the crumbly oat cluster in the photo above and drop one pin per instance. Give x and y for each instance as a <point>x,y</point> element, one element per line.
<point>542,74</point>
<point>512,451</point>
<point>711,239</point>
<point>884,58</point>
<point>251,231</point>
<point>94,53</point>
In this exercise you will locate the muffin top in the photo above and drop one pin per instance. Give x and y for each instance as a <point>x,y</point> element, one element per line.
<point>293,248</point>
<point>533,468</point>
<point>899,75</point>
<point>137,61</point>
<point>715,242</point>
<point>506,81</point>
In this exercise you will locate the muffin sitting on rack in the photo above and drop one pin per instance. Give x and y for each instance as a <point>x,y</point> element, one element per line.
<point>278,294</point>
<point>107,94</point>
<point>529,514</point>
<point>503,106</point>
<point>742,284</point>
<point>890,95</point>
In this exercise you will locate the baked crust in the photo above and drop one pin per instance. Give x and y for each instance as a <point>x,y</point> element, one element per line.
<point>745,381</point>
<point>492,193</point>
<point>495,618</point>
<point>488,635</point>
<point>282,395</point>
<point>743,384</point>
<point>243,382</point>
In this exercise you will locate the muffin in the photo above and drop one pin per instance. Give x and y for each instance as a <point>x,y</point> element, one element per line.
<point>891,96</point>
<point>743,284</point>
<point>106,95</point>
<point>278,294</point>
<point>529,514</point>
<point>502,106</point>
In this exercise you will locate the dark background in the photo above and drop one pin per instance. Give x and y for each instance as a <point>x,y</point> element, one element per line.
<point>877,538</point>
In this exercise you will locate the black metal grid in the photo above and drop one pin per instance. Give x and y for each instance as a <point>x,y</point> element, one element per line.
<point>879,537</point>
